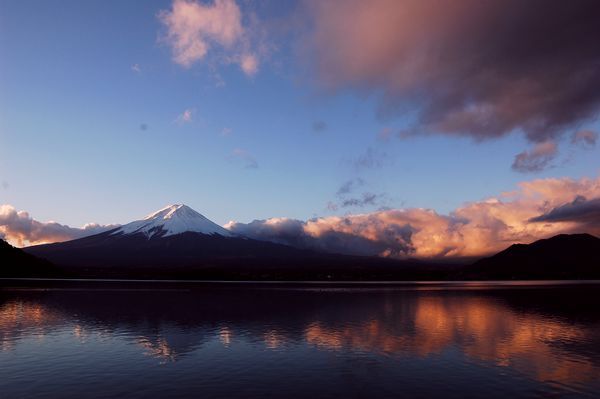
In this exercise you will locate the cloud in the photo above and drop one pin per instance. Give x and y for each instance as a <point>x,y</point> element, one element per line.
<point>385,134</point>
<point>226,131</point>
<point>584,138</point>
<point>194,29</point>
<point>349,186</point>
<point>185,117</point>
<point>580,210</point>
<point>477,69</point>
<point>537,159</point>
<point>247,158</point>
<point>332,206</point>
<point>297,233</point>
<point>372,158</point>
<point>366,199</point>
<point>475,229</point>
<point>537,209</point>
<point>136,68</point>
<point>319,126</point>
<point>249,64</point>
<point>20,229</point>
<point>346,198</point>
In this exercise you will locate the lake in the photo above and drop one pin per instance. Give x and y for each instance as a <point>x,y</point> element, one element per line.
<point>294,340</point>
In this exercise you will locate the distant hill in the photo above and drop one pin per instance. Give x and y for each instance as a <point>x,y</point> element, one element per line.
<point>565,256</point>
<point>17,263</point>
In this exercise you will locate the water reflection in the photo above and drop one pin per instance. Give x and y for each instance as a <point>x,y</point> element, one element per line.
<point>483,329</point>
<point>25,318</point>
<point>550,335</point>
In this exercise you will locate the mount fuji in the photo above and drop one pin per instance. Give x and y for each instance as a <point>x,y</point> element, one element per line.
<point>178,242</point>
<point>172,220</point>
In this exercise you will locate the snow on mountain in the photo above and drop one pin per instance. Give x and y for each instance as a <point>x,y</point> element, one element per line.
<point>172,220</point>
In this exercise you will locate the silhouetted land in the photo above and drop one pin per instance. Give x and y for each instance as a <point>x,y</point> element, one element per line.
<point>17,263</point>
<point>565,256</point>
<point>204,257</point>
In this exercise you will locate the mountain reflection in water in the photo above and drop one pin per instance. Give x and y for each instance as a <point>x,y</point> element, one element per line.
<point>528,340</point>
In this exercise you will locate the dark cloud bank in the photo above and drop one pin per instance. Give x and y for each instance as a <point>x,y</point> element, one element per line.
<point>581,210</point>
<point>478,68</point>
<point>393,240</point>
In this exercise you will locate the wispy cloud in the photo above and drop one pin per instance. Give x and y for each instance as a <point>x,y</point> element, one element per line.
<point>385,134</point>
<point>371,158</point>
<point>185,117</point>
<point>319,126</point>
<point>349,186</point>
<point>136,68</point>
<point>537,159</point>
<point>249,64</point>
<point>584,138</point>
<point>194,29</point>
<point>226,132</point>
<point>347,196</point>
<point>245,157</point>
<point>366,199</point>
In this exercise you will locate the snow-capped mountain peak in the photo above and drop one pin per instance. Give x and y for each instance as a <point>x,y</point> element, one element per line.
<point>172,220</point>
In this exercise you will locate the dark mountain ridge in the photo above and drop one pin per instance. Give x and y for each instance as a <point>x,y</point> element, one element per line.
<point>193,255</point>
<point>565,256</point>
<point>17,263</point>
<point>178,242</point>
<point>212,256</point>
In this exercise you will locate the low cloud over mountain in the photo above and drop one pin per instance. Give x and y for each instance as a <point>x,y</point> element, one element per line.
<point>19,228</point>
<point>475,229</point>
<point>537,209</point>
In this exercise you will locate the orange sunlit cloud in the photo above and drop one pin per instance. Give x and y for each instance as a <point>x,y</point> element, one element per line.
<point>477,228</point>
<point>20,229</point>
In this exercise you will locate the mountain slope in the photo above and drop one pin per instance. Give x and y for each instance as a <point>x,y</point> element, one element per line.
<point>192,255</point>
<point>175,236</point>
<point>574,256</point>
<point>17,263</point>
<point>171,220</point>
<point>178,242</point>
<point>139,250</point>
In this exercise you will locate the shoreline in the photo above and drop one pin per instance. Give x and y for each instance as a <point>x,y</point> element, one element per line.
<point>11,282</point>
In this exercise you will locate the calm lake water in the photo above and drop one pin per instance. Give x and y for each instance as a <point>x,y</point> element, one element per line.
<point>319,341</point>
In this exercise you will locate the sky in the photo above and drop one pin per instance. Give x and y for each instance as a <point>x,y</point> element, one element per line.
<point>323,117</point>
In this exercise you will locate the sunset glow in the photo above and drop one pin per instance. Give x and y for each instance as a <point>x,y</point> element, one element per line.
<point>423,135</point>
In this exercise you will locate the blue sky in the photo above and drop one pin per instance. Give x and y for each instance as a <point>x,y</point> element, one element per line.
<point>87,137</point>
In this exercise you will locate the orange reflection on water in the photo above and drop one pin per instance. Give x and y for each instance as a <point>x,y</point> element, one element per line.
<point>273,339</point>
<point>19,317</point>
<point>158,348</point>
<point>488,331</point>
<point>370,336</point>
<point>482,329</point>
<point>225,336</point>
